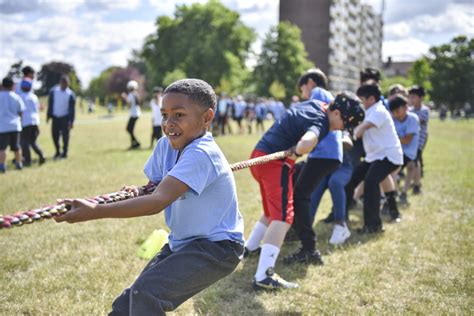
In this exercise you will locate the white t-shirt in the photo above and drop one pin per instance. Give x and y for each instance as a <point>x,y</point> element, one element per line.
<point>381,141</point>
<point>135,110</point>
<point>156,111</point>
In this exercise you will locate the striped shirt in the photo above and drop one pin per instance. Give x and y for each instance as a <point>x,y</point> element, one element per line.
<point>423,115</point>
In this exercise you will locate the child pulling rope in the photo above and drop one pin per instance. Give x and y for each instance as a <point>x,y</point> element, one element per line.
<point>48,212</point>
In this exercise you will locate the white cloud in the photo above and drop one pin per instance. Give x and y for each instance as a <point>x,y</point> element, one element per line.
<point>405,49</point>
<point>411,37</point>
<point>88,43</point>
<point>54,6</point>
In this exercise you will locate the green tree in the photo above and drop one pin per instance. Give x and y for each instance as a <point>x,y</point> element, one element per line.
<point>420,74</point>
<point>97,86</point>
<point>205,41</point>
<point>172,76</point>
<point>283,59</point>
<point>51,73</point>
<point>453,72</point>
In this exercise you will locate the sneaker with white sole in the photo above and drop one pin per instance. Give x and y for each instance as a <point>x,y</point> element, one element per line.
<point>339,234</point>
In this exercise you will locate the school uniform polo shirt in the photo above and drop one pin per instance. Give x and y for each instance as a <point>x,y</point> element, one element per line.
<point>210,207</point>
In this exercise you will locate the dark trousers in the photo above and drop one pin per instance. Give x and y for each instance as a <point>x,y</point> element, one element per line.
<point>309,177</point>
<point>156,135</point>
<point>130,129</point>
<point>171,278</point>
<point>372,174</point>
<point>60,128</point>
<point>29,135</point>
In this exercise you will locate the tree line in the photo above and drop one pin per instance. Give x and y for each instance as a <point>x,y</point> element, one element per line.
<point>210,41</point>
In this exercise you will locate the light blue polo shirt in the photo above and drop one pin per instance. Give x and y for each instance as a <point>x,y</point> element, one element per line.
<point>31,115</point>
<point>322,95</point>
<point>11,106</point>
<point>410,125</point>
<point>210,207</point>
<point>330,147</point>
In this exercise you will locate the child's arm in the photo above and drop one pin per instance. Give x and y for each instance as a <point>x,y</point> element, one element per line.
<point>167,192</point>
<point>406,139</point>
<point>306,144</point>
<point>360,130</point>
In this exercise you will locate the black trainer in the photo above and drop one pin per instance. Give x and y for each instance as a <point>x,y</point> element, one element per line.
<point>304,256</point>
<point>416,189</point>
<point>273,282</point>
<point>370,230</point>
<point>252,253</point>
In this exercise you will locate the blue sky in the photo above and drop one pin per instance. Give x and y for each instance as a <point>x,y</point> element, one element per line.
<point>95,34</point>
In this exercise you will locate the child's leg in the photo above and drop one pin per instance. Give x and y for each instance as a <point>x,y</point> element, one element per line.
<point>336,184</point>
<point>390,192</point>
<point>3,157</point>
<point>65,133</point>
<point>165,284</point>
<point>25,144</point>
<point>33,142</point>
<point>311,175</point>
<point>411,170</point>
<point>55,128</point>
<point>357,177</point>
<point>377,172</point>
<point>15,146</point>
<point>316,197</point>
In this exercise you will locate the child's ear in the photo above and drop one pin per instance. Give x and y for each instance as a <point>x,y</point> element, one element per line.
<point>208,116</point>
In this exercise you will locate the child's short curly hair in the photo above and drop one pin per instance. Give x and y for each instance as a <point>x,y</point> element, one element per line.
<point>197,90</point>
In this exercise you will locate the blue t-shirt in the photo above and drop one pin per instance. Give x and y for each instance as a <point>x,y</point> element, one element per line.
<point>322,95</point>
<point>210,207</point>
<point>11,105</point>
<point>330,147</point>
<point>410,125</point>
<point>285,133</point>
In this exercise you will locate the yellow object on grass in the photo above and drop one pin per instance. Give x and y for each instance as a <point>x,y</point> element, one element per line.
<point>153,244</point>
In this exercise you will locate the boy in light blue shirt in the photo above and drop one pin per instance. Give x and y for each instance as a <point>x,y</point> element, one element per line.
<point>197,191</point>
<point>30,122</point>
<point>408,130</point>
<point>11,109</point>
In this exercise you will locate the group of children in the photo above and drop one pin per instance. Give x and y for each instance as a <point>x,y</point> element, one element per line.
<point>391,137</point>
<point>246,114</point>
<point>19,121</point>
<point>197,191</point>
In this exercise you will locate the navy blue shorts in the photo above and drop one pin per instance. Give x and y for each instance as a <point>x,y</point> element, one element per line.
<point>11,139</point>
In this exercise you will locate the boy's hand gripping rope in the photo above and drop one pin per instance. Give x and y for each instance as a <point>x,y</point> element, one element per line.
<point>50,211</point>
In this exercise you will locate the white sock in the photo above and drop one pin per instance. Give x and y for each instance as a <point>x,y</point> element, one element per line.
<point>268,257</point>
<point>256,236</point>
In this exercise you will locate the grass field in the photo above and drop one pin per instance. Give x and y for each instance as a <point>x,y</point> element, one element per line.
<point>422,266</point>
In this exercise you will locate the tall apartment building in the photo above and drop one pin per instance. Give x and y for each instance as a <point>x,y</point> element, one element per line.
<point>341,37</point>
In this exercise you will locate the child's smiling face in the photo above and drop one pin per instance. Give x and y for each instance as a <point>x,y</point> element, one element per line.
<point>184,120</point>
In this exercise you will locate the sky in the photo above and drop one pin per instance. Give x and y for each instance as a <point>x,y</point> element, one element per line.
<point>95,34</point>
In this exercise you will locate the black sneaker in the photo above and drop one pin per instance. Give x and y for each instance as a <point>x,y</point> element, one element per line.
<point>416,189</point>
<point>403,199</point>
<point>42,160</point>
<point>370,230</point>
<point>64,156</point>
<point>57,156</point>
<point>273,282</point>
<point>248,252</point>
<point>304,256</point>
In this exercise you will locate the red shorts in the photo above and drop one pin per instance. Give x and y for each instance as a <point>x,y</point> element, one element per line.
<point>276,187</point>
